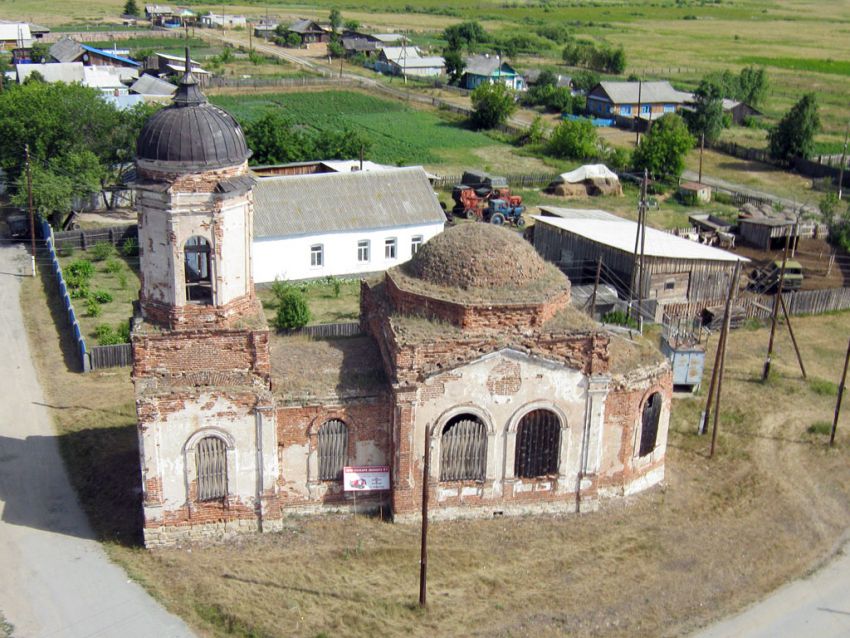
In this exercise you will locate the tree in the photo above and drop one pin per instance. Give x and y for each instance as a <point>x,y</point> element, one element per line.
<point>794,136</point>
<point>584,81</point>
<point>274,139</point>
<point>335,48</point>
<point>292,310</point>
<point>40,52</point>
<point>131,8</point>
<point>574,140</point>
<point>547,78</point>
<point>351,25</point>
<point>454,65</point>
<point>493,104</point>
<point>706,118</point>
<point>662,150</point>
<point>335,19</point>
<point>464,34</point>
<point>616,62</point>
<point>752,85</point>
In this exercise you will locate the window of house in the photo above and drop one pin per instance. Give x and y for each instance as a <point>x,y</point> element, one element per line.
<point>390,248</point>
<point>538,444</point>
<point>645,109</point>
<point>649,424</point>
<point>211,462</point>
<point>669,108</point>
<point>317,256</point>
<point>415,244</point>
<point>197,270</point>
<point>363,251</point>
<point>626,109</point>
<point>670,284</point>
<point>463,450</point>
<point>333,450</point>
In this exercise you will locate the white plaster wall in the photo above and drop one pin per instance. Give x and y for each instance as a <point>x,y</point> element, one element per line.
<point>289,258</point>
<point>544,385</point>
<point>235,267</point>
<point>164,448</point>
<point>156,257</point>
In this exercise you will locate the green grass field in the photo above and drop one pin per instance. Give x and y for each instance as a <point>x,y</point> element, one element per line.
<point>399,135</point>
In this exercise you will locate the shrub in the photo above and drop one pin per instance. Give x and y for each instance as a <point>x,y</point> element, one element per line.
<point>101,296</point>
<point>619,318</point>
<point>92,307</point>
<point>130,247</point>
<point>102,250</point>
<point>574,139</point>
<point>109,336</point>
<point>81,268</point>
<point>113,266</point>
<point>820,427</point>
<point>80,291</point>
<point>335,284</point>
<point>292,310</point>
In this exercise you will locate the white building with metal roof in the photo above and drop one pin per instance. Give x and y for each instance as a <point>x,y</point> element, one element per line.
<point>338,224</point>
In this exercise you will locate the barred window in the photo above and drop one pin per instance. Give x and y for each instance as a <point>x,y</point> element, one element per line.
<point>333,450</point>
<point>649,424</point>
<point>538,444</point>
<point>211,461</point>
<point>463,453</point>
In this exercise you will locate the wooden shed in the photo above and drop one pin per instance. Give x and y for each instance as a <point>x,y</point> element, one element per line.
<point>695,192</point>
<point>676,269</point>
<point>768,233</point>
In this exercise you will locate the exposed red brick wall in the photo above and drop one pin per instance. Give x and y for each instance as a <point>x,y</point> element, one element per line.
<point>195,316</point>
<point>200,182</point>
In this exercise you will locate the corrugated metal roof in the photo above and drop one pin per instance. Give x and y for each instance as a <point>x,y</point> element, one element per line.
<point>150,85</point>
<point>67,72</point>
<point>650,93</point>
<point>15,32</point>
<point>620,234</point>
<point>66,50</point>
<point>306,26</point>
<point>333,202</point>
<point>397,54</point>
<point>111,56</point>
<point>389,37</point>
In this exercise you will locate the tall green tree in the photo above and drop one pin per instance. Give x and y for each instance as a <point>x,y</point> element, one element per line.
<point>706,118</point>
<point>131,8</point>
<point>464,35</point>
<point>753,85</point>
<point>335,19</point>
<point>492,105</point>
<point>794,135</point>
<point>662,150</point>
<point>454,65</point>
<point>574,140</point>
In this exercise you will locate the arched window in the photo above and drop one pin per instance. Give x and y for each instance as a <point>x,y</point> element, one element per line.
<point>197,267</point>
<point>333,450</point>
<point>649,424</point>
<point>538,444</point>
<point>463,452</point>
<point>211,462</point>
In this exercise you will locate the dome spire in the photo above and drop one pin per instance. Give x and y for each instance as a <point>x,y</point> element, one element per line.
<point>188,93</point>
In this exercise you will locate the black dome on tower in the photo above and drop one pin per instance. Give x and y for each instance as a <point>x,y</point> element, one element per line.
<point>191,133</point>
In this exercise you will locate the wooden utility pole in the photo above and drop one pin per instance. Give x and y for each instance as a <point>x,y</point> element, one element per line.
<point>840,396</point>
<point>29,204</point>
<point>637,115</point>
<point>721,344</point>
<point>791,332</point>
<point>636,263</point>
<point>843,162</point>
<point>595,286</point>
<point>644,210</point>
<point>724,339</point>
<point>701,149</point>
<point>776,304</point>
<point>423,556</point>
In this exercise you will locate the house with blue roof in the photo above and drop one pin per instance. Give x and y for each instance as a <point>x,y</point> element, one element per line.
<point>69,50</point>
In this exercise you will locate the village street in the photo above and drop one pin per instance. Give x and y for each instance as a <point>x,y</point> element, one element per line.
<point>55,579</point>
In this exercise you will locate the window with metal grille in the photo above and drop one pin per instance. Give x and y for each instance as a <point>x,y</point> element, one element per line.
<point>649,424</point>
<point>415,244</point>
<point>363,250</point>
<point>211,460</point>
<point>390,248</point>
<point>538,444</point>
<point>333,450</point>
<point>463,449</point>
<point>317,255</point>
<point>197,270</point>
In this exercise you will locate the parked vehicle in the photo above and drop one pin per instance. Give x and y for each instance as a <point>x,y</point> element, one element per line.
<point>19,226</point>
<point>767,279</point>
<point>500,211</point>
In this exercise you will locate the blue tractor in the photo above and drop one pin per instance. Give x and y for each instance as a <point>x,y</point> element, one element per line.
<point>501,211</point>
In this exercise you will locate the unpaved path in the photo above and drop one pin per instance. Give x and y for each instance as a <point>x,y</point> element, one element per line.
<point>55,580</point>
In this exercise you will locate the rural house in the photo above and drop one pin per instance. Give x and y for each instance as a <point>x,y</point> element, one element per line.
<point>223,21</point>
<point>526,405</point>
<point>158,14</point>
<point>492,69</point>
<point>676,269</point>
<point>309,31</point>
<point>627,102</point>
<point>69,50</point>
<point>15,35</point>
<point>333,224</point>
<point>164,66</point>
<point>152,88</point>
<point>408,61</point>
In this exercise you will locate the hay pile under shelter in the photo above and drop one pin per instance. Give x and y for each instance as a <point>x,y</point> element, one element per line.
<point>588,180</point>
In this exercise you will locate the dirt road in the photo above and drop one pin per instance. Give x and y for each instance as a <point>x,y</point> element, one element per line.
<point>55,580</point>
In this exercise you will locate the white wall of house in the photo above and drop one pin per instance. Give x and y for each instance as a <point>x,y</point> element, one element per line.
<point>291,258</point>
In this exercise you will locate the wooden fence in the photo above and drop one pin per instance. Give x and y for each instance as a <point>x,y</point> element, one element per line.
<point>331,330</point>
<point>111,356</point>
<point>83,239</point>
<point>517,180</point>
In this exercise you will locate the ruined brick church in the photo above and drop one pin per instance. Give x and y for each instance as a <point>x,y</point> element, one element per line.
<point>471,348</point>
